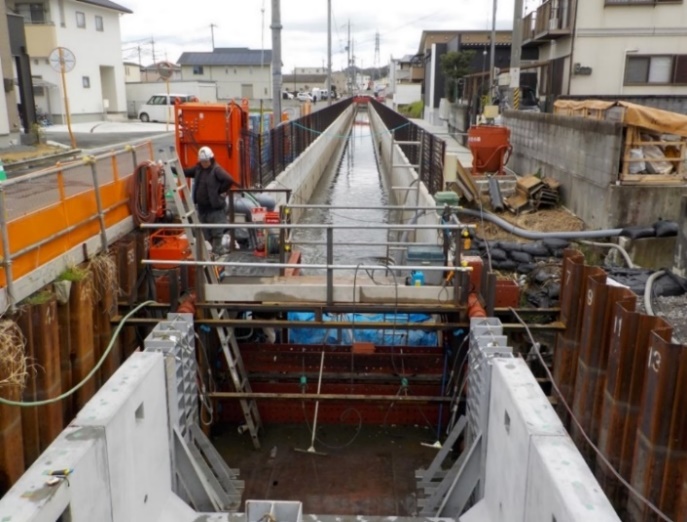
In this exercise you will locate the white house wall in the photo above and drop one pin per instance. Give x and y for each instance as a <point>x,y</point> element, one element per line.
<point>229,79</point>
<point>92,50</point>
<point>4,119</point>
<point>616,29</point>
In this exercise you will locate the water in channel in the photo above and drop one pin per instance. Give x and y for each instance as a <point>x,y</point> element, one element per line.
<point>356,181</point>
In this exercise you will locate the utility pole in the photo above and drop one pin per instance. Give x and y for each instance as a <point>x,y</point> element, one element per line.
<point>152,43</point>
<point>276,60</point>
<point>376,60</point>
<point>348,70</point>
<point>262,36</point>
<point>515,53</point>
<point>492,52</point>
<point>138,48</point>
<point>212,35</point>
<point>329,52</point>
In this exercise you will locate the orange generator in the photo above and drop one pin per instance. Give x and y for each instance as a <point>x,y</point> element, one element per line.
<point>219,126</point>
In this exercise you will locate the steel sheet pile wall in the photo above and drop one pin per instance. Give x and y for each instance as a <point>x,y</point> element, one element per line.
<point>627,384</point>
<point>64,340</point>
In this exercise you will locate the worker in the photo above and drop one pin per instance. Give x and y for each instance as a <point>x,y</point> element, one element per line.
<point>210,187</point>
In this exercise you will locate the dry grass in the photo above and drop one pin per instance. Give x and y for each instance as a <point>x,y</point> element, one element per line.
<point>105,277</point>
<point>14,367</point>
<point>37,151</point>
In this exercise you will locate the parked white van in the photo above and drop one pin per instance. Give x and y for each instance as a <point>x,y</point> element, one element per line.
<point>160,107</point>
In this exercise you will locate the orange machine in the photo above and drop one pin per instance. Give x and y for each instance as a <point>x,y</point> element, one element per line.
<point>219,126</point>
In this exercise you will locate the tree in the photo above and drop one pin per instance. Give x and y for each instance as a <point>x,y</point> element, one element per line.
<point>455,65</point>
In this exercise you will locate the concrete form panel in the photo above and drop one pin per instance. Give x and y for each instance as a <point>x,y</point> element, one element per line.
<point>545,475</point>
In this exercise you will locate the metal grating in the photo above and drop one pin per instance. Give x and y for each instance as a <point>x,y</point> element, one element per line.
<point>486,343</point>
<point>175,337</point>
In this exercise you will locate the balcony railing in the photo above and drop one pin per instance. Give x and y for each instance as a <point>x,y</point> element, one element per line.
<point>551,20</point>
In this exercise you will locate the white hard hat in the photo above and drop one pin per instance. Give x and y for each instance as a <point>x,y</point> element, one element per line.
<point>205,154</point>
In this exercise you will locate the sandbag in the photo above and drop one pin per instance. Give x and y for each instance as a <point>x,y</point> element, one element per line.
<point>554,290</point>
<point>555,243</point>
<point>536,249</point>
<point>638,232</point>
<point>497,254</point>
<point>507,265</point>
<point>521,257</point>
<point>665,228</point>
<point>526,268</point>
<point>510,246</point>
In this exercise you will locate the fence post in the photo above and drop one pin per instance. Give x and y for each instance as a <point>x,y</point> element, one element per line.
<point>7,255</point>
<point>99,203</point>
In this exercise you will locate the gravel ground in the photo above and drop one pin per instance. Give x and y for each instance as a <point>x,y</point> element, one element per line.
<point>674,310</point>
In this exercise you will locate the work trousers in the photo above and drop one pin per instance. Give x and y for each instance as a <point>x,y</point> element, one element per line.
<point>214,235</point>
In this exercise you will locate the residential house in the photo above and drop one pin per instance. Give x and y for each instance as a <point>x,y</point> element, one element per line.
<point>151,73</point>
<point>90,31</point>
<point>10,123</point>
<point>132,72</point>
<point>405,81</point>
<point>303,82</point>
<point>434,44</point>
<point>615,48</point>
<point>239,72</point>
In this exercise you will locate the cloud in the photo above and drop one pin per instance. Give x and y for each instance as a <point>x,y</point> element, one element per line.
<point>165,31</point>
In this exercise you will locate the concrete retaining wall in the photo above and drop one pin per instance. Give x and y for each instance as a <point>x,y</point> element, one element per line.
<point>303,175</point>
<point>582,154</point>
<point>534,471</point>
<point>402,176</point>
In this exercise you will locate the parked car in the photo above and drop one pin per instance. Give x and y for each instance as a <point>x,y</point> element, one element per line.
<point>159,107</point>
<point>286,95</point>
<point>304,96</point>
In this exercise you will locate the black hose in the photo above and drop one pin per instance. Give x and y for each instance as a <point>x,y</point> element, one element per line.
<point>529,234</point>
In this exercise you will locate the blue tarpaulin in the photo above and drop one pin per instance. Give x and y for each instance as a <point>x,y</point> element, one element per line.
<point>394,334</point>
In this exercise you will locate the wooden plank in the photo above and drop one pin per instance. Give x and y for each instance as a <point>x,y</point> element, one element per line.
<point>551,183</point>
<point>529,183</point>
<point>467,180</point>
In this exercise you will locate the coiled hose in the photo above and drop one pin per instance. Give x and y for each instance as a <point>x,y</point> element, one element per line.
<point>146,197</point>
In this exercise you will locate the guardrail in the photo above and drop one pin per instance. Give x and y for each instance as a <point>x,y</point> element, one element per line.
<point>45,215</point>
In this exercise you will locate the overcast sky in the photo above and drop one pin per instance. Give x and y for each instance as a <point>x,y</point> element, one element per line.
<point>176,27</point>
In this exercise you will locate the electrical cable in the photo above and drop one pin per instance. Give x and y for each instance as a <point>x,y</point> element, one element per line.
<point>598,452</point>
<point>90,374</point>
<point>620,249</point>
<point>648,289</point>
<point>145,205</point>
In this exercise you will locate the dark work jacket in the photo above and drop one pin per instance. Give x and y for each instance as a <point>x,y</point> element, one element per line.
<point>209,184</point>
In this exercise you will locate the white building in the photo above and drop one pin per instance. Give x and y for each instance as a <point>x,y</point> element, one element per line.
<point>239,72</point>
<point>132,72</point>
<point>610,47</point>
<point>90,30</point>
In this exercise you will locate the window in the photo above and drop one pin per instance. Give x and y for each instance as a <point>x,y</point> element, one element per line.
<point>98,23</point>
<point>80,20</point>
<point>656,70</point>
<point>32,13</point>
<point>197,69</point>
<point>86,82</point>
